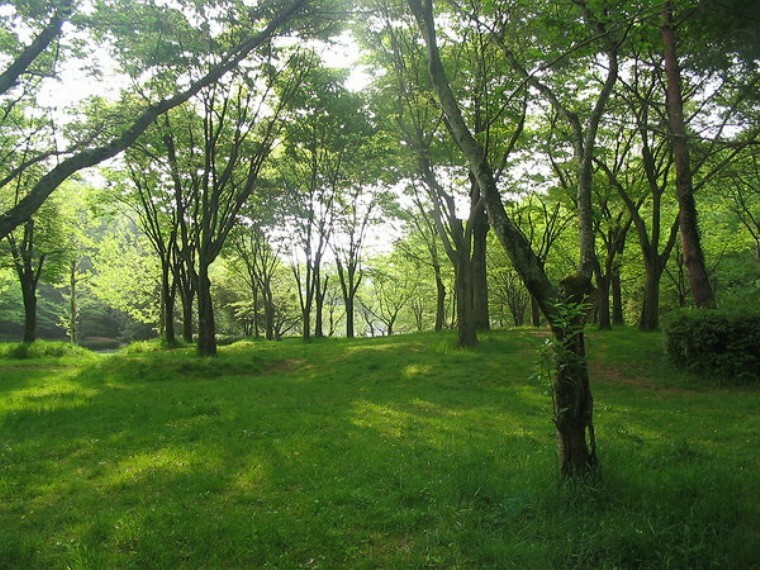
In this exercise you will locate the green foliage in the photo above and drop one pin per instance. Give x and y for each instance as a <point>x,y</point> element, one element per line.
<point>723,345</point>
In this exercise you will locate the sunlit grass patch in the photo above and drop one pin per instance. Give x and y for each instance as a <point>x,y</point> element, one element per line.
<point>395,453</point>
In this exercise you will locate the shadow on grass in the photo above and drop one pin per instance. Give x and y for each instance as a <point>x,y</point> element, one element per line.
<point>359,454</point>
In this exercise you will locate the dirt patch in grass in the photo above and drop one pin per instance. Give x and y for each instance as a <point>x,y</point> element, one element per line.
<point>282,366</point>
<point>630,376</point>
<point>539,333</point>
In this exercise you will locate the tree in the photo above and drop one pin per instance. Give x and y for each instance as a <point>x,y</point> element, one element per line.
<point>571,388</point>
<point>543,223</point>
<point>126,274</point>
<point>37,252</point>
<point>240,124</point>
<point>694,258</point>
<point>17,76</point>
<point>324,137</point>
<point>422,245</point>
<point>391,287</point>
<point>356,211</point>
<point>258,261</point>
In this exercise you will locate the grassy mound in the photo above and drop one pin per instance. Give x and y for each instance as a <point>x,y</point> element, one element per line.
<point>374,453</point>
<point>43,349</point>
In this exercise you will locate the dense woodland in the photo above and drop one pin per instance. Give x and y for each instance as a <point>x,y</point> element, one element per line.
<point>574,163</point>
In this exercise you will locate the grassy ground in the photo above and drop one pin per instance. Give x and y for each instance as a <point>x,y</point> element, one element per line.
<point>376,453</point>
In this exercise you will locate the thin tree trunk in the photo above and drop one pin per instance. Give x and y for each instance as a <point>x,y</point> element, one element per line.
<point>73,307</point>
<point>618,318</point>
<point>704,297</point>
<point>187,319</point>
<point>167,310</point>
<point>535,312</point>
<point>256,331</point>
<point>440,303</point>
<point>320,292</point>
<point>269,315</point>
<point>187,298</point>
<point>573,406</point>
<point>349,301</point>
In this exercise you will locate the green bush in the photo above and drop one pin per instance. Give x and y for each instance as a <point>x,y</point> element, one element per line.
<point>724,345</point>
<point>41,349</point>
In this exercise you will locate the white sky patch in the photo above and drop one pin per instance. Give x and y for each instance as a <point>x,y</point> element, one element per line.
<point>344,53</point>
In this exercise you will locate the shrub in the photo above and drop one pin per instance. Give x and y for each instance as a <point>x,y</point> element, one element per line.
<point>720,344</point>
<point>41,349</point>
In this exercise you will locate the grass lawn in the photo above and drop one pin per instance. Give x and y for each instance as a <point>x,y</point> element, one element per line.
<point>396,452</point>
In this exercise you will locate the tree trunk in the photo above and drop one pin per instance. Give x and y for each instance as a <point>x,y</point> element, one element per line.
<point>440,303</point>
<point>306,314</point>
<point>466,328</point>
<point>349,301</point>
<point>603,301</point>
<point>187,320</point>
<point>73,307</point>
<point>704,297</point>
<point>479,269</point>
<point>573,405</point>
<point>256,331</point>
<point>650,309</point>
<point>29,295</point>
<point>206,325</point>
<point>535,312</point>
<point>617,299</point>
<point>187,298</point>
<point>269,316</point>
<point>320,292</point>
<point>167,309</point>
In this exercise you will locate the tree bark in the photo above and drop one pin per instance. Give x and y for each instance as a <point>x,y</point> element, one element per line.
<point>650,308</point>
<point>206,324</point>
<point>573,406</point>
<point>349,301</point>
<point>603,301</point>
<point>618,318</point>
<point>440,302</point>
<point>73,305</point>
<point>479,267</point>
<point>535,312</point>
<point>29,296</point>
<point>466,329</point>
<point>167,310</point>
<point>269,316</point>
<point>320,289</point>
<point>702,291</point>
